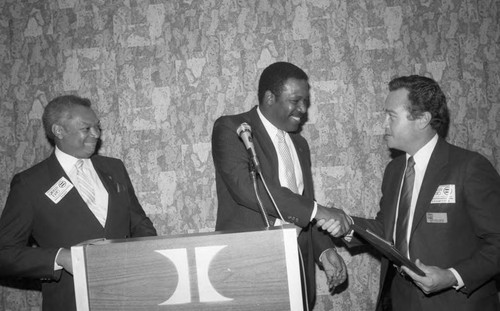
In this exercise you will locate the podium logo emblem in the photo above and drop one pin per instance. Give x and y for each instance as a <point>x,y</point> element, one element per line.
<point>203,257</point>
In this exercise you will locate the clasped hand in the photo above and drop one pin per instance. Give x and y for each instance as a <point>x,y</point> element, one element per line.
<point>333,220</point>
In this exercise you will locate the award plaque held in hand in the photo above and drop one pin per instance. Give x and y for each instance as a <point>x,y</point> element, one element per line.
<point>386,248</point>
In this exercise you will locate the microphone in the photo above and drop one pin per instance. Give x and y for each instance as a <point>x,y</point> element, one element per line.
<point>244,131</point>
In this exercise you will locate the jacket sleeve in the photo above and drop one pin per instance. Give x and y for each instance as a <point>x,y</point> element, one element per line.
<point>482,193</point>
<point>140,224</point>
<point>232,167</point>
<point>17,258</point>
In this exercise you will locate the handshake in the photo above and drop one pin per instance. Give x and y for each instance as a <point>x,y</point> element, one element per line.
<point>333,220</point>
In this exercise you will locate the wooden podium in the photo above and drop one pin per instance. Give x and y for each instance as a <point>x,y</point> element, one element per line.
<point>251,270</point>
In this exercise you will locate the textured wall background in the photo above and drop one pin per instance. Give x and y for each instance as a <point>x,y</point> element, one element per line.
<point>160,72</point>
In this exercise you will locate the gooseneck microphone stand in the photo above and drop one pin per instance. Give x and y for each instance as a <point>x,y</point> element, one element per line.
<point>253,174</point>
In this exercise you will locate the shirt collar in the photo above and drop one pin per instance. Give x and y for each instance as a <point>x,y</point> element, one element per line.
<point>270,128</point>
<point>423,155</point>
<point>67,161</point>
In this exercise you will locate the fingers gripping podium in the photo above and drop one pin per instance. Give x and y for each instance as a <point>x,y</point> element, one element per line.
<point>250,270</point>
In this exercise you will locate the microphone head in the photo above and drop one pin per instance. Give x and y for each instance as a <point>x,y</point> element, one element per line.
<point>244,127</point>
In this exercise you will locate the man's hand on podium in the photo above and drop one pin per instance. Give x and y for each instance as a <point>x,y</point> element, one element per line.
<point>63,259</point>
<point>334,267</point>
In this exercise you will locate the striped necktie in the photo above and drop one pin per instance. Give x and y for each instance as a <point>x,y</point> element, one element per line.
<point>404,208</point>
<point>86,188</point>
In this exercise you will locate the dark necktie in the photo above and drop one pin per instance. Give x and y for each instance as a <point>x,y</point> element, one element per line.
<point>404,208</point>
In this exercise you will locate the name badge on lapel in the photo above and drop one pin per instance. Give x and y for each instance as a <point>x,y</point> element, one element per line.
<point>59,190</point>
<point>437,218</point>
<point>444,194</point>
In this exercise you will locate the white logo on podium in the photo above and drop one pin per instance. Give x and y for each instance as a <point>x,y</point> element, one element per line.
<point>203,256</point>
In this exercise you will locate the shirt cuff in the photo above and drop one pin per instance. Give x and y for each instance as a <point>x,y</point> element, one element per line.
<point>348,236</point>
<point>315,210</point>
<point>323,252</point>
<point>56,266</point>
<point>460,282</point>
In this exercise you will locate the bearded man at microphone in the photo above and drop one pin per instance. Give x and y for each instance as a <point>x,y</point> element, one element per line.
<point>284,161</point>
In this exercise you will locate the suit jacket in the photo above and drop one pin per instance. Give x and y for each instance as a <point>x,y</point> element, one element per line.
<point>237,204</point>
<point>468,240</point>
<point>29,213</point>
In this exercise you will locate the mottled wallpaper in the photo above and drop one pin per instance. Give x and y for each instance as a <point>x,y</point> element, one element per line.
<point>160,72</point>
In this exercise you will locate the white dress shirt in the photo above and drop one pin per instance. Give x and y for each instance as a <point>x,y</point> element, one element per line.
<point>68,162</point>
<point>421,158</point>
<point>272,131</point>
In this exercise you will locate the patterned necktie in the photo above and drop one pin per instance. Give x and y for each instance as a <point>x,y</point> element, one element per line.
<point>85,186</point>
<point>404,208</point>
<point>288,167</point>
<point>86,189</point>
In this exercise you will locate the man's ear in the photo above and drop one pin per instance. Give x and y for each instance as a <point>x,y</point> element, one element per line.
<point>425,120</point>
<point>269,98</point>
<point>57,130</point>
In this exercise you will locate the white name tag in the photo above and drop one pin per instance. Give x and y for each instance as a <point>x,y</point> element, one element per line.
<point>437,218</point>
<point>444,194</point>
<point>59,190</point>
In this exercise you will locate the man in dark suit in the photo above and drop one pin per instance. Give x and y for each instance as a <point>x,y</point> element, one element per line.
<point>53,205</point>
<point>448,222</point>
<point>283,103</point>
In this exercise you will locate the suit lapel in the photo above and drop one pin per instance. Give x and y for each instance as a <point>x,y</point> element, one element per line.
<point>73,196</point>
<point>104,176</point>
<point>261,138</point>
<point>109,184</point>
<point>304,164</point>
<point>264,142</point>
<point>56,172</point>
<point>55,169</point>
<point>437,163</point>
<point>394,181</point>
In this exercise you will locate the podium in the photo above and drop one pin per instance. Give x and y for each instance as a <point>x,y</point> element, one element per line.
<point>250,270</point>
